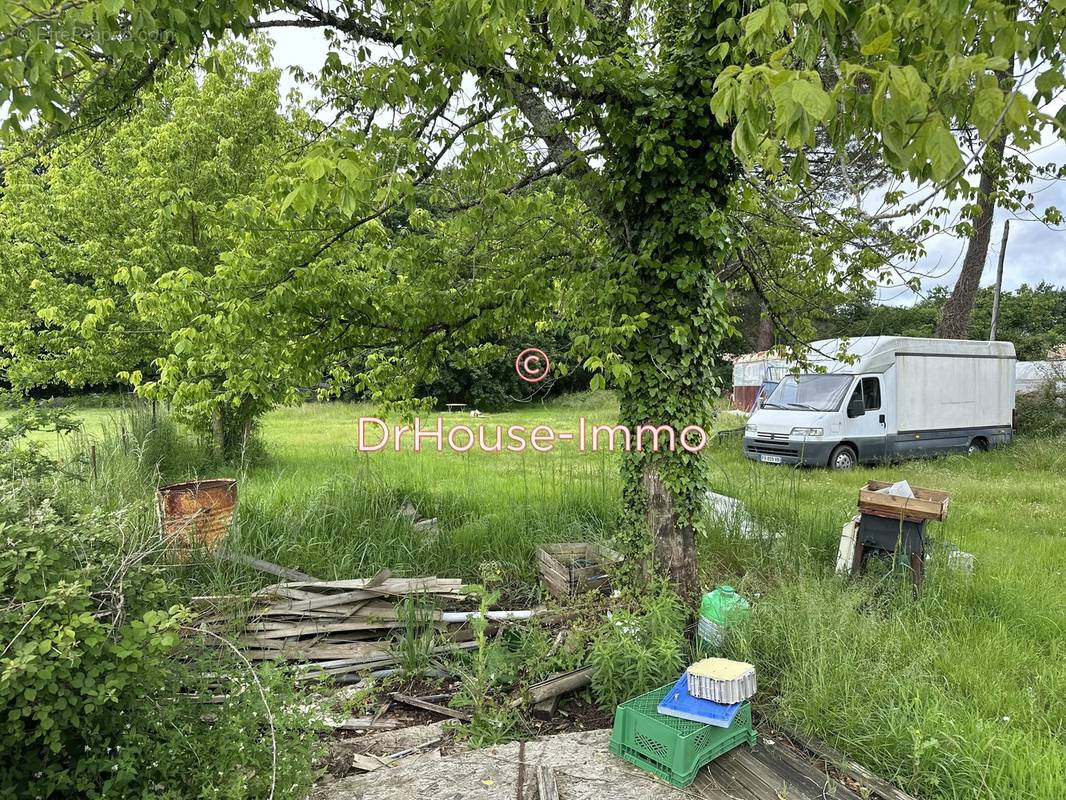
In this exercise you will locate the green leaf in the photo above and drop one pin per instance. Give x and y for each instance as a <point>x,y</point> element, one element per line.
<point>812,98</point>
<point>987,108</point>
<point>879,44</point>
<point>943,151</point>
<point>1048,83</point>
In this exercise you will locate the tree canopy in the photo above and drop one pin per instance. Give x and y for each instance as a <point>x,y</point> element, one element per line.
<point>1032,317</point>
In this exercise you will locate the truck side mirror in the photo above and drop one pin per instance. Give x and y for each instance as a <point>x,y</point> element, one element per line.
<point>856,407</point>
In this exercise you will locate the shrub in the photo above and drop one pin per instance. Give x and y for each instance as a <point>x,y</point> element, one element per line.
<point>24,457</point>
<point>85,636</point>
<point>1042,412</point>
<point>638,650</point>
<point>99,696</point>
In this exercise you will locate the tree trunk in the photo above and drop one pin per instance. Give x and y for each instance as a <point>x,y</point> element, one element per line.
<point>232,428</point>
<point>955,318</point>
<point>673,541</point>
<point>764,339</point>
<point>218,430</point>
<point>672,388</point>
<point>666,181</point>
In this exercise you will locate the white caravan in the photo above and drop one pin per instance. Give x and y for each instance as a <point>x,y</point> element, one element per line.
<point>899,398</point>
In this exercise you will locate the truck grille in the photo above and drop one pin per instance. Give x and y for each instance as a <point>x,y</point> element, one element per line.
<point>772,437</point>
<point>772,449</point>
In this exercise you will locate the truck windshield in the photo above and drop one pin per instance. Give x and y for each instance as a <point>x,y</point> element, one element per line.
<point>809,392</point>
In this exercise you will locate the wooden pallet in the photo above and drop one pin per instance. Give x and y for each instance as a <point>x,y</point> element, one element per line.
<point>927,504</point>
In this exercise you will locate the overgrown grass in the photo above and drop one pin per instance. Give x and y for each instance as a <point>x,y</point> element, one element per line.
<point>107,691</point>
<point>958,695</point>
<point>490,507</point>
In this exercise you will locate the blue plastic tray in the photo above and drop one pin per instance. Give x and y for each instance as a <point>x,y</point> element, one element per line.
<point>679,703</point>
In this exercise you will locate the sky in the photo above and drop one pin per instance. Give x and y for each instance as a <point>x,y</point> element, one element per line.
<point>1034,252</point>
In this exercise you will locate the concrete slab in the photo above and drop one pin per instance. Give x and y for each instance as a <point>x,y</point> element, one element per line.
<point>586,770</point>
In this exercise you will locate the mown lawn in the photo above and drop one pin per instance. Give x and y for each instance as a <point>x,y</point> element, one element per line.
<point>961,694</point>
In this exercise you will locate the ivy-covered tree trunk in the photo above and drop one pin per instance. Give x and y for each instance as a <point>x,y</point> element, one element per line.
<point>672,179</point>
<point>672,384</point>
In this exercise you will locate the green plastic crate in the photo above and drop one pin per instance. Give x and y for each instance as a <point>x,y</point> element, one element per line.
<point>672,748</point>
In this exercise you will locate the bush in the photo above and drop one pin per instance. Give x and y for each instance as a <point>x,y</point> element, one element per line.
<point>99,695</point>
<point>1043,412</point>
<point>24,457</point>
<point>638,650</point>
<point>86,637</point>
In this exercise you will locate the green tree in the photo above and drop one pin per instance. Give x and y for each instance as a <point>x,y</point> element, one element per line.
<point>97,226</point>
<point>1032,317</point>
<point>646,113</point>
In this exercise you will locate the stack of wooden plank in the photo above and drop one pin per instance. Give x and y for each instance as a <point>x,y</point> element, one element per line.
<point>332,627</point>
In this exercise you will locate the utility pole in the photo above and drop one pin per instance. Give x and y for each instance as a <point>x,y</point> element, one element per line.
<point>999,281</point>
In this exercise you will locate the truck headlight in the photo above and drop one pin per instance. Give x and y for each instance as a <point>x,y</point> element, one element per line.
<point>807,432</point>
<point>751,428</point>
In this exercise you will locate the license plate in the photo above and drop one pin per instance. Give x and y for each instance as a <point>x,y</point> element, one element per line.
<point>770,459</point>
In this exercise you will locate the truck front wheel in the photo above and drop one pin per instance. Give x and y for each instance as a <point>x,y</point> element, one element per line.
<point>843,457</point>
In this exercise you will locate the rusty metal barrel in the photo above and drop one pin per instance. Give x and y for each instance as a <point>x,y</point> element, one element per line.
<point>197,513</point>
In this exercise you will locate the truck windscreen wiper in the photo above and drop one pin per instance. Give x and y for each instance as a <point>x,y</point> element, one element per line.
<point>804,406</point>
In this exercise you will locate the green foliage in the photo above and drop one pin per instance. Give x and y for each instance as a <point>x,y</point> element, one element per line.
<point>1032,317</point>
<point>85,646</point>
<point>259,738</point>
<point>39,78</point>
<point>898,75</point>
<point>1042,412</point>
<point>485,379</point>
<point>22,458</point>
<point>114,244</point>
<point>493,666</point>
<point>640,649</point>
<point>98,697</point>
<point>541,653</point>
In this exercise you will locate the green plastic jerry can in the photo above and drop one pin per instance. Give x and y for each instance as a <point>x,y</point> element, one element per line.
<point>718,610</point>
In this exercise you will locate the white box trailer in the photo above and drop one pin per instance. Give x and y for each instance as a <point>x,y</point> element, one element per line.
<point>880,397</point>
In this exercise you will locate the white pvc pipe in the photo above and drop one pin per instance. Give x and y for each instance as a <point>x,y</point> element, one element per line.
<point>466,616</point>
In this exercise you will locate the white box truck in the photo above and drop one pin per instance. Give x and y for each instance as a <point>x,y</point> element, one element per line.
<point>889,397</point>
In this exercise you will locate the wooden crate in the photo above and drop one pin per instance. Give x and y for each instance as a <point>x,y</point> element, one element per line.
<point>925,505</point>
<point>571,568</point>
